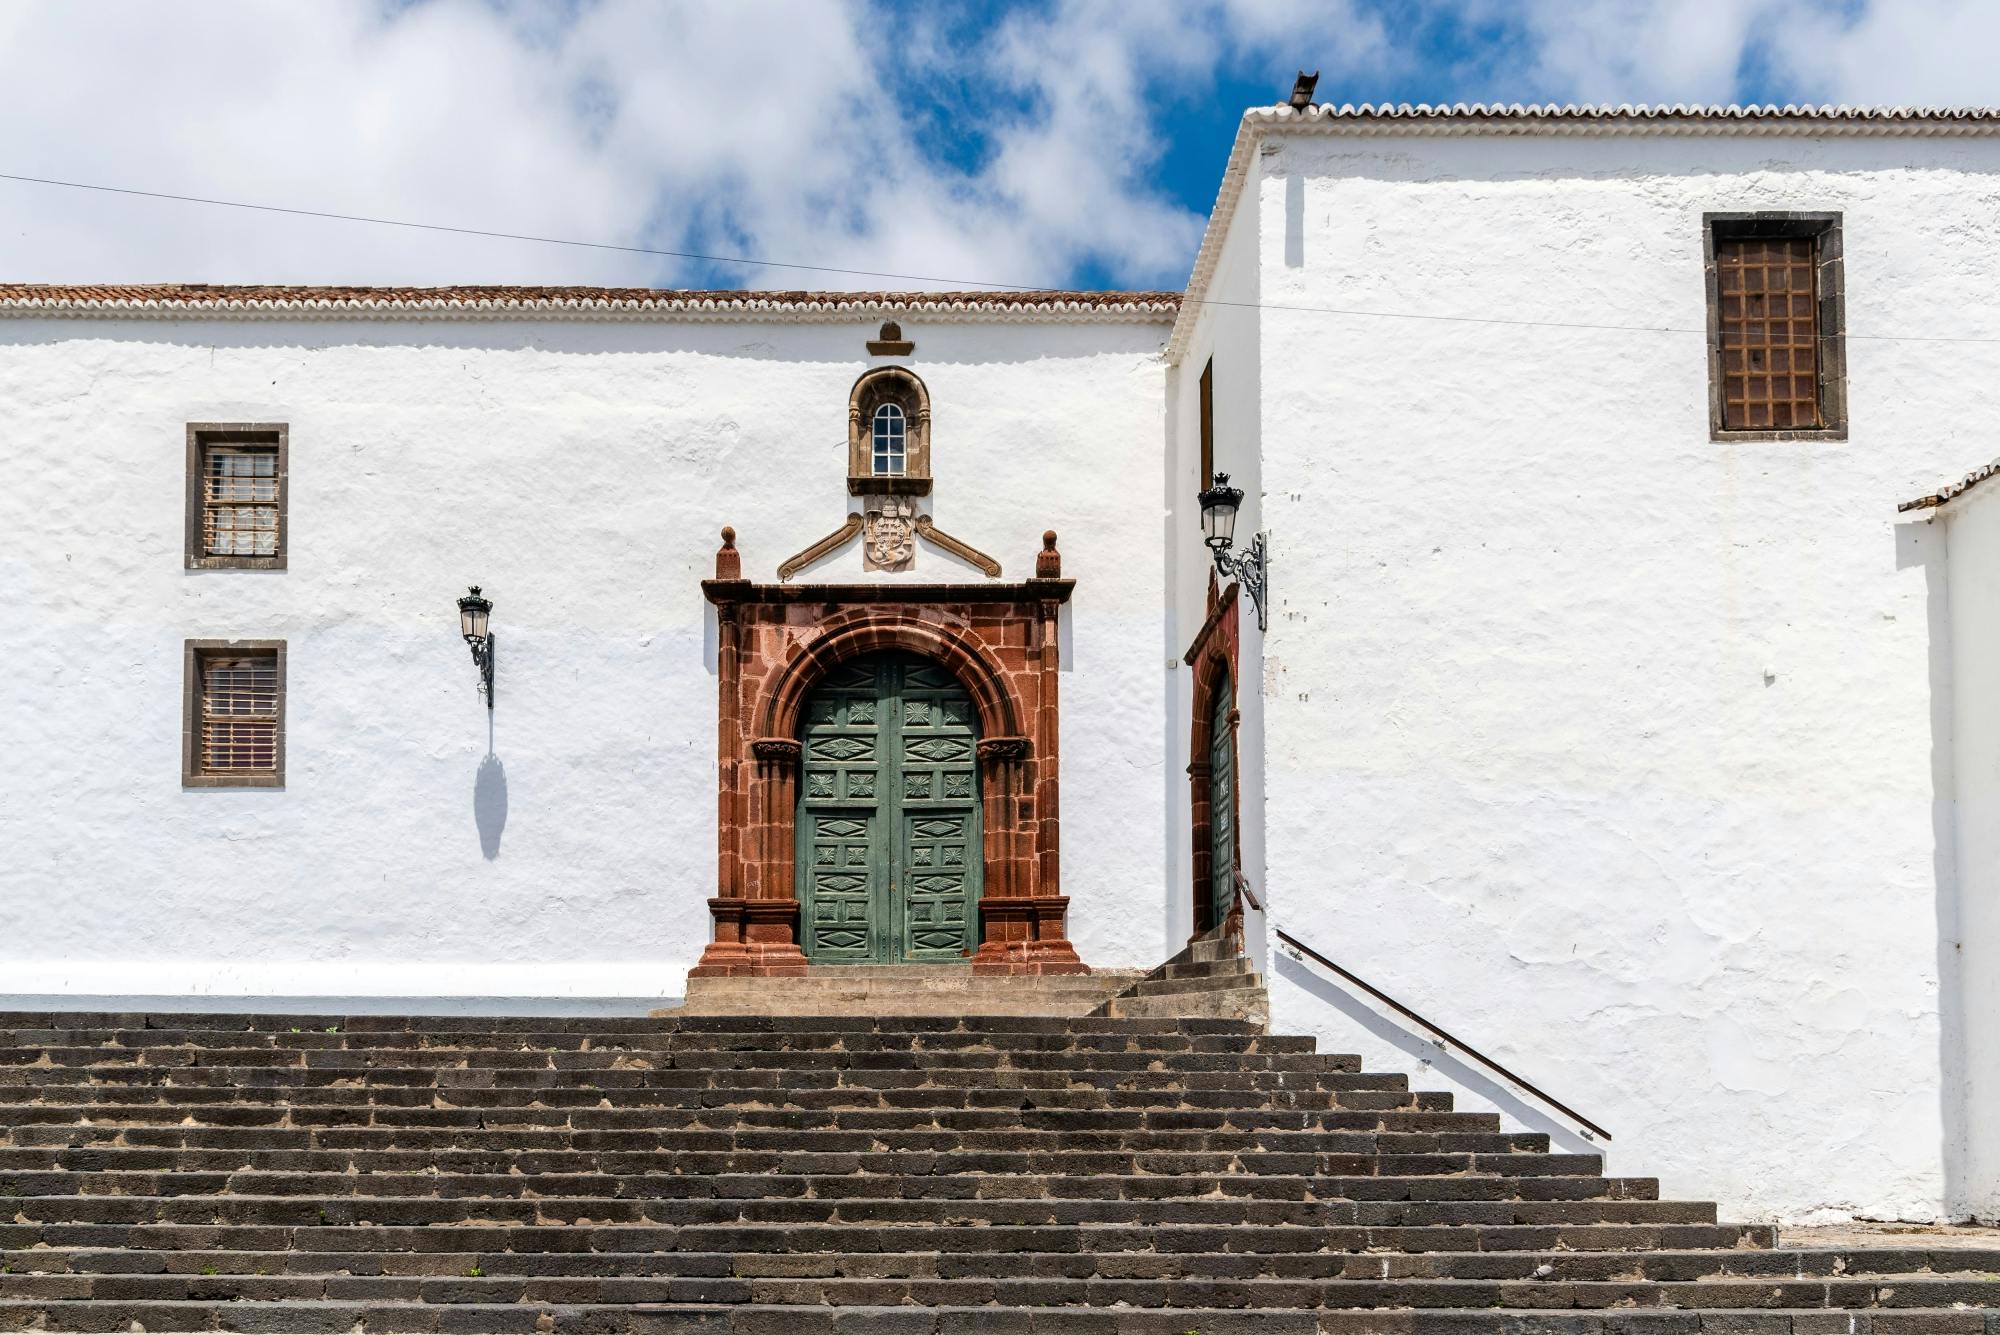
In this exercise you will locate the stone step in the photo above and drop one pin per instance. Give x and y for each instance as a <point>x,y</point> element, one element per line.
<point>1231,966</point>
<point>424,1108</point>
<point>664,1082</point>
<point>1063,1121</point>
<point>1019,1290</point>
<point>33,1060</point>
<point>275,1023</point>
<point>900,991</point>
<point>1247,1001</point>
<point>182,1246</point>
<point>1399,1149</point>
<point>376,1318</point>
<point>967,1261</point>
<point>1207,978</point>
<point>971,1177</point>
<point>949,1203</point>
<point>155,1040</point>
<point>897,1070</point>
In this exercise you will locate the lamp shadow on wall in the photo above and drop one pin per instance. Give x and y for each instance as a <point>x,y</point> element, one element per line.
<point>489,798</point>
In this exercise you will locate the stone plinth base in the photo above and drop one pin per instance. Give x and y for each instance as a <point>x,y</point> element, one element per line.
<point>753,937</point>
<point>903,989</point>
<point>1024,935</point>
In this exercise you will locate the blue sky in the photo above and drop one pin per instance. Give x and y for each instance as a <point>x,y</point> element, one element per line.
<point>1064,142</point>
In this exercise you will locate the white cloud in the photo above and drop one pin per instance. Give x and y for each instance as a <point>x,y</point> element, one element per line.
<point>443,115</point>
<point>805,130</point>
<point>1891,52</point>
<point>1875,52</point>
<point>1620,51</point>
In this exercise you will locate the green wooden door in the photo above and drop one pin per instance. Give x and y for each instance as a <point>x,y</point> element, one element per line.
<point>1221,805</point>
<point>889,845</point>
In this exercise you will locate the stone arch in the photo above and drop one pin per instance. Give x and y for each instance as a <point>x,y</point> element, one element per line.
<point>902,387</point>
<point>852,634</point>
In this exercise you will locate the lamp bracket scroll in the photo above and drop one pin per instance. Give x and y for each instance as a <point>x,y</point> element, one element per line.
<point>1249,568</point>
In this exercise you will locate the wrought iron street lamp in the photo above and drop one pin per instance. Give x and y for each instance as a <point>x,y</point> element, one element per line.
<point>473,615</point>
<point>1219,505</point>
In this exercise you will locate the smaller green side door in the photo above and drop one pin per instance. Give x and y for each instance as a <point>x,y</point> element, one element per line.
<point>1221,805</point>
<point>888,824</point>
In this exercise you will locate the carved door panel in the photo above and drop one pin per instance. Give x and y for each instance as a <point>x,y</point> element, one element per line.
<point>888,821</point>
<point>841,841</point>
<point>1221,805</point>
<point>938,854</point>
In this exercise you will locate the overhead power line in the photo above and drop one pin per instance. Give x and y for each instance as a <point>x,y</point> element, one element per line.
<point>961,283</point>
<point>496,235</point>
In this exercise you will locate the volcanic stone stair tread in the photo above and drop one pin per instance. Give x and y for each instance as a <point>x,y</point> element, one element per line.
<point>336,1318</point>
<point>1000,1210</point>
<point>934,1174</point>
<point>961,1258</point>
<point>1380,1245</point>
<point>1017,1290</point>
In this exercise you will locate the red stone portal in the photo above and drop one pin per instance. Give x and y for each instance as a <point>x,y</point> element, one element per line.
<point>1213,657</point>
<point>777,641</point>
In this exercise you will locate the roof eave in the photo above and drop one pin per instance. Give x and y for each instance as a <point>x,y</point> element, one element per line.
<point>1139,308</point>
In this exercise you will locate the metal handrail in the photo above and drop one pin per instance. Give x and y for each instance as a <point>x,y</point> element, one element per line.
<point>1443,1034</point>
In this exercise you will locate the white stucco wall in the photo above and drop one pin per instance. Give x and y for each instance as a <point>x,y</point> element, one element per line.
<point>1610,748</point>
<point>579,471</point>
<point>1970,1036</point>
<point>1226,329</point>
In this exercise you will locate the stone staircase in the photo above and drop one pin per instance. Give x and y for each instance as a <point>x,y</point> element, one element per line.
<point>737,1175</point>
<point>901,989</point>
<point>1209,979</point>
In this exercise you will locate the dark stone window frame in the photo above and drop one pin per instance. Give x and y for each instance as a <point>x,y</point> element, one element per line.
<point>1830,317</point>
<point>194,655</point>
<point>200,435</point>
<point>901,386</point>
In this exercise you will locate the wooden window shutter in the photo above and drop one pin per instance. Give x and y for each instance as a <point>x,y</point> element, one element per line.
<point>1207,426</point>
<point>1767,323</point>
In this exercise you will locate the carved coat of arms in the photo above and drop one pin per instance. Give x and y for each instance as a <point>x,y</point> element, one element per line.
<point>889,534</point>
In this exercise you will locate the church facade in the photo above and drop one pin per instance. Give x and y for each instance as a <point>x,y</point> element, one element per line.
<point>1574,714</point>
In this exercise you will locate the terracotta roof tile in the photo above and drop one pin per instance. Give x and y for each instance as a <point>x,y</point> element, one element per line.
<point>1944,495</point>
<point>611,302</point>
<point>1586,112</point>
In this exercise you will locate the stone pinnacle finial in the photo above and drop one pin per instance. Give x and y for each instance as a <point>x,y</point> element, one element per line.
<point>728,561</point>
<point>1048,561</point>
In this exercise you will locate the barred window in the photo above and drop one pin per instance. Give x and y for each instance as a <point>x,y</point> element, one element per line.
<point>239,506</point>
<point>234,728</point>
<point>239,714</point>
<point>1776,311</point>
<point>236,496</point>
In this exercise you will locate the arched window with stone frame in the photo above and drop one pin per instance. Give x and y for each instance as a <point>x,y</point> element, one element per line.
<point>889,434</point>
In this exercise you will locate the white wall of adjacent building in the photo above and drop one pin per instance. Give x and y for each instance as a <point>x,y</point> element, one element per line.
<point>1610,748</point>
<point>579,471</point>
<point>1965,604</point>
<point>1226,333</point>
